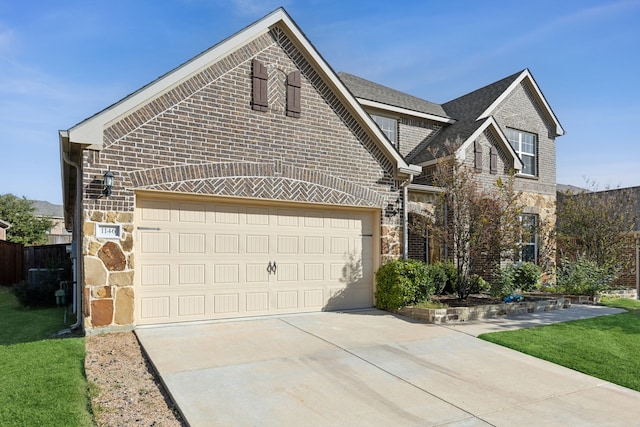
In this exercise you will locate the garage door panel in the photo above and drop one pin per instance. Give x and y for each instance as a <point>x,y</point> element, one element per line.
<point>155,211</point>
<point>257,273</point>
<point>287,245</point>
<point>189,243</point>
<point>191,305</point>
<point>227,243</point>
<point>287,300</point>
<point>314,271</point>
<point>226,303</point>
<point>200,260</point>
<point>192,212</point>
<point>257,216</point>
<point>286,272</point>
<point>226,273</point>
<point>191,274</point>
<point>287,217</point>
<point>227,214</point>
<point>154,243</point>
<point>257,301</point>
<point>155,275</point>
<point>155,308</point>
<point>257,244</point>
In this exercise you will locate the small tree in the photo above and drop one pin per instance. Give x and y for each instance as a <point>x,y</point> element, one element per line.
<point>26,228</point>
<point>595,226</point>
<point>474,223</point>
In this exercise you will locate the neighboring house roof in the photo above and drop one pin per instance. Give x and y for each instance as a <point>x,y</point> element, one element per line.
<point>375,95</point>
<point>4,224</point>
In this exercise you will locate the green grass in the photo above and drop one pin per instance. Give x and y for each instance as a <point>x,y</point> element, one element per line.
<point>606,347</point>
<point>42,380</point>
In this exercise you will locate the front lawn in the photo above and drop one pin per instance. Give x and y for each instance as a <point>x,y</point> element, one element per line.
<point>42,380</point>
<point>606,347</point>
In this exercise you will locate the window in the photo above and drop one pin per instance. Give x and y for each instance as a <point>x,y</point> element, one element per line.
<point>529,238</point>
<point>388,126</point>
<point>524,144</point>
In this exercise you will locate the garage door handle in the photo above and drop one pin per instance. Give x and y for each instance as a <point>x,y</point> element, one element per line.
<point>271,268</point>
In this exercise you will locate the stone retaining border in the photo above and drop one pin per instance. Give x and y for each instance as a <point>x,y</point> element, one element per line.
<point>463,314</point>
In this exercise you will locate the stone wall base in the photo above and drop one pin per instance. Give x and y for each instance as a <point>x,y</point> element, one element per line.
<point>463,314</point>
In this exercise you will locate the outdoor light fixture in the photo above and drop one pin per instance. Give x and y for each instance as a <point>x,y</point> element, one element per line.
<point>108,183</point>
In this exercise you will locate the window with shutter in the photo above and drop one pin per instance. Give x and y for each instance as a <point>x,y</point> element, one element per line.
<point>260,77</point>
<point>293,94</point>
<point>493,162</point>
<point>477,151</point>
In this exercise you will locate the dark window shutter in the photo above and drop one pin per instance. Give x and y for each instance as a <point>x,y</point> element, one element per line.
<point>477,151</point>
<point>260,77</point>
<point>293,94</point>
<point>494,160</point>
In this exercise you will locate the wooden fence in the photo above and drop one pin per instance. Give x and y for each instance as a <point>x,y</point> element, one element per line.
<point>16,260</point>
<point>11,263</point>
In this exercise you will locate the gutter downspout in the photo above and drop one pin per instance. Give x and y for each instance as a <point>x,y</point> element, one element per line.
<point>405,218</point>
<point>76,228</point>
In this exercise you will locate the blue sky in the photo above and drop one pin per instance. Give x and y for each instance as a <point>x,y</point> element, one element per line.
<point>63,61</point>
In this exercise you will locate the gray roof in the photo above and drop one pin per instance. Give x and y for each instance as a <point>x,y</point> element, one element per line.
<point>465,110</point>
<point>371,91</point>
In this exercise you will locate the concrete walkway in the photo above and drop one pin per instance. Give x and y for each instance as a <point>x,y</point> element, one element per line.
<point>373,368</point>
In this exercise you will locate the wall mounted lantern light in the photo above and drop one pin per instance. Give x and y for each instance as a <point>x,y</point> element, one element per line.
<point>108,183</point>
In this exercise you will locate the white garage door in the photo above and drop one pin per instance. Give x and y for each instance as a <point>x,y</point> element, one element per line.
<point>200,259</point>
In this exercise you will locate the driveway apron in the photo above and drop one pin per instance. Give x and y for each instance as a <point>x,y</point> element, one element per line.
<point>368,368</point>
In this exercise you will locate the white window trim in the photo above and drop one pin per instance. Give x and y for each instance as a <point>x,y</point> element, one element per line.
<point>392,119</point>
<point>521,154</point>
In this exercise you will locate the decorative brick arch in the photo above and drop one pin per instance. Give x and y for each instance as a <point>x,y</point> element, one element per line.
<point>271,181</point>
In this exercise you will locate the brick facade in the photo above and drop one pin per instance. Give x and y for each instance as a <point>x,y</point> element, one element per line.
<point>203,137</point>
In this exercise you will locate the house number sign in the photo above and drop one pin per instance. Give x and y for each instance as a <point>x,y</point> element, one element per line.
<point>108,231</point>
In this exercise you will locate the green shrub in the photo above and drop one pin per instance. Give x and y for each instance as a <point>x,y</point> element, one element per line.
<point>513,278</point>
<point>41,294</point>
<point>445,277</point>
<point>403,282</point>
<point>526,276</point>
<point>583,277</point>
<point>478,285</point>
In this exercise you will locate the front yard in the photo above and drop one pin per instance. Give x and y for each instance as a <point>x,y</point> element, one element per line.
<point>42,379</point>
<point>605,347</point>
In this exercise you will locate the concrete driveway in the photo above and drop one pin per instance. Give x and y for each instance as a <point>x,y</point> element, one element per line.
<point>369,368</point>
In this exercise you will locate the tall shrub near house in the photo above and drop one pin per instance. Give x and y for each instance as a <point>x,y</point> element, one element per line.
<point>476,224</point>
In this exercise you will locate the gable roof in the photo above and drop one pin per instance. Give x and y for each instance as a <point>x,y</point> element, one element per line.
<point>4,224</point>
<point>375,95</point>
<point>89,133</point>
<point>473,109</point>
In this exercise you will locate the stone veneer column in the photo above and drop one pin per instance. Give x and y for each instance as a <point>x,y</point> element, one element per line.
<point>108,273</point>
